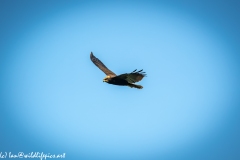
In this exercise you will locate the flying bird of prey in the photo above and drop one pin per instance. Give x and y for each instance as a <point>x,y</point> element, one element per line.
<point>127,79</point>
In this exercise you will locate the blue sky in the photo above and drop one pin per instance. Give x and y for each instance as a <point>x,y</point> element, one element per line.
<point>53,99</point>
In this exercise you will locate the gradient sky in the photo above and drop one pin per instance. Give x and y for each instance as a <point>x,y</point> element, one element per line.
<point>53,99</point>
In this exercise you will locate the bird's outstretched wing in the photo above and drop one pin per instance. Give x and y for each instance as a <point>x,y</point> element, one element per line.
<point>133,77</point>
<point>101,66</point>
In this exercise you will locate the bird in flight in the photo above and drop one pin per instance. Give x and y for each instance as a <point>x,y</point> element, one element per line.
<point>127,79</point>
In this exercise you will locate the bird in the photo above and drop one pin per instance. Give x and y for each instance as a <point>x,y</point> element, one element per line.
<point>126,79</point>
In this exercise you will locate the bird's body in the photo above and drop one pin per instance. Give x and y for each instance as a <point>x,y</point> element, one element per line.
<point>122,82</point>
<point>126,79</point>
<point>117,81</point>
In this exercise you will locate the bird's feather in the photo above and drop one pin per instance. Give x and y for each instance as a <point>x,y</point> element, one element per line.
<point>101,66</point>
<point>133,77</point>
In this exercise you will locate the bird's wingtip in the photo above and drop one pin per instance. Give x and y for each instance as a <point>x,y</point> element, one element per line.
<point>91,55</point>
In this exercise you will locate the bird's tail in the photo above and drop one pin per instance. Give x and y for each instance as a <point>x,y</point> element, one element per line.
<point>135,86</point>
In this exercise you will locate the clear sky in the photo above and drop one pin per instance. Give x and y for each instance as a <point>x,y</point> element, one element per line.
<point>53,99</point>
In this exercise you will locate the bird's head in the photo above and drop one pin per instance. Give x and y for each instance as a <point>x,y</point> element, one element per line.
<point>106,79</point>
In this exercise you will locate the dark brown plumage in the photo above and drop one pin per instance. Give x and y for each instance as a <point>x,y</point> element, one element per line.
<point>127,79</point>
